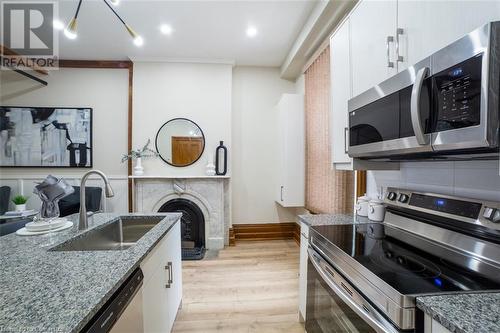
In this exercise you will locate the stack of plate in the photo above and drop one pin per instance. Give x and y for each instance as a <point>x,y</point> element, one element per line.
<point>44,226</point>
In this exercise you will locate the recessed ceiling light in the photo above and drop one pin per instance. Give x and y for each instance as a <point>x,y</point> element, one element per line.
<point>58,25</point>
<point>251,31</point>
<point>115,2</point>
<point>166,29</point>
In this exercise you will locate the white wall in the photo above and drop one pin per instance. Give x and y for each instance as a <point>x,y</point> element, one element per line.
<point>255,173</point>
<point>104,90</point>
<point>200,92</point>
<point>473,179</point>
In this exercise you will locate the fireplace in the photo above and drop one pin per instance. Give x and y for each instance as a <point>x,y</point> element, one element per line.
<point>192,227</point>
<point>209,194</point>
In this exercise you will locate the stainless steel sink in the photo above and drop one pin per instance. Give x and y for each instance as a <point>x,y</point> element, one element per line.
<point>117,235</point>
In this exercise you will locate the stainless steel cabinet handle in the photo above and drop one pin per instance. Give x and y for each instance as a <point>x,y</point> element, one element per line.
<point>390,39</point>
<point>346,130</point>
<point>168,268</point>
<point>399,32</point>
<point>281,194</point>
<point>416,122</point>
<point>171,273</point>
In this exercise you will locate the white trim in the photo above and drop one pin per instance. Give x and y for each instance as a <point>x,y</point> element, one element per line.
<point>179,177</point>
<point>32,177</point>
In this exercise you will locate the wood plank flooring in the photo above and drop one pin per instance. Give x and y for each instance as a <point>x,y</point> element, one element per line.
<point>249,288</point>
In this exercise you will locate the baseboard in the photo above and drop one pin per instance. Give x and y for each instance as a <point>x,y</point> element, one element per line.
<point>296,234</point>
<point>232,239</point>
<point>266,231</point>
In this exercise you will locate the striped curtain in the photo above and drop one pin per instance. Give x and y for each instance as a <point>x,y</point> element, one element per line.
<point>327,190</point>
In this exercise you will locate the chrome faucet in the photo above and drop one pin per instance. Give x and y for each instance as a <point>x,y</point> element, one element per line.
<point>108,191</point>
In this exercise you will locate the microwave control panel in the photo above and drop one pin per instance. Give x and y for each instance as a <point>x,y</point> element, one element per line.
<point>458,91</point>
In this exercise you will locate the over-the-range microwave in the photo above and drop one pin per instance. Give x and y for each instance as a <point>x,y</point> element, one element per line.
<point>444,107</point>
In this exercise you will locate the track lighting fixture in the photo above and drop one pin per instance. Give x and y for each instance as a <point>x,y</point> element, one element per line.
<point>70,30</point>
<point>71,33</point>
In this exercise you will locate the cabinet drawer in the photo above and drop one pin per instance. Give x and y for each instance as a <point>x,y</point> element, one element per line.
<point>157,258</point>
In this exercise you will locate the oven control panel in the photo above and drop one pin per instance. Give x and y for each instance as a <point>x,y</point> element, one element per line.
<point>474,211</point>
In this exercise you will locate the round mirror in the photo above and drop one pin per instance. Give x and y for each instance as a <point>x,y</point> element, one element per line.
<point>180,142</point>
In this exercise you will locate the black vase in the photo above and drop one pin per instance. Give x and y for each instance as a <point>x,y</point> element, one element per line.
<point>218,163</point>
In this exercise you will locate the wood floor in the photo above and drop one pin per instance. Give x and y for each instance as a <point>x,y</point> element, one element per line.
<point>251,287</point>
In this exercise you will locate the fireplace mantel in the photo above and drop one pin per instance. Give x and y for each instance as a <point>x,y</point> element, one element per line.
<point>178,177</point>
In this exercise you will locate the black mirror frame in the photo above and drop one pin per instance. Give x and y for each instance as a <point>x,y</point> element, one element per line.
<point>202,150</point>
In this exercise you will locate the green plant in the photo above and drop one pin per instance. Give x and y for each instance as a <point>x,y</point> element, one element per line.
<point>19,200</point>
<point>144,152</point>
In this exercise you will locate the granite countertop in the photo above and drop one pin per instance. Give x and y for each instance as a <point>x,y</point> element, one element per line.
<point>330,219</point>
<point>55,291</point>
<point>464,313</point>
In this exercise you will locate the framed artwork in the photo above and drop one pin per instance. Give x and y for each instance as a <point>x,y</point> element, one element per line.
<point>45,137</point>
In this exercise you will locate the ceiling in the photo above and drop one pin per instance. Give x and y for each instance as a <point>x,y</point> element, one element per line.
<point>203,30</point>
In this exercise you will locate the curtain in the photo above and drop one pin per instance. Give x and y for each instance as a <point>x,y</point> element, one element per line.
<point>327,190</point>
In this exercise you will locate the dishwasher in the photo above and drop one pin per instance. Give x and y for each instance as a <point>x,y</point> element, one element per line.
<point>122,313</point>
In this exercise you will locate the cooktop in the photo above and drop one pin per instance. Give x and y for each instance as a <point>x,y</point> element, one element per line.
<point>386,252</point>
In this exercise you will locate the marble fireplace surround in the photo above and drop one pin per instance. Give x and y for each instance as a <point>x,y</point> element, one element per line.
<point>211,194</point>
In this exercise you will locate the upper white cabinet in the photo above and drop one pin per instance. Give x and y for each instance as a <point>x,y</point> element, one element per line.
<point>291,188</point>
<point>341,92</point>
<point>373,28</point>
<point>427,26</point>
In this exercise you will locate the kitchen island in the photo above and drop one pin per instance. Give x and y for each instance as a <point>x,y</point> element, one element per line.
<point>60,291</point>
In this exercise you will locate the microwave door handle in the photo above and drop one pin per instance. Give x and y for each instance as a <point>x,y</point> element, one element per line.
<point>416,91</point>
<point>373,318</point>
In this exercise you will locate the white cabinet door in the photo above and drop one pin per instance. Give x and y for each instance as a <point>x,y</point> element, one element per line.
<point>431,25</point>
<point>174,260</point>
<point>162,290</point>
<point>291,189</point>
<point>155,303</point>
<point>304,234</point>
<point>371,24</point>
<point>340,78</point>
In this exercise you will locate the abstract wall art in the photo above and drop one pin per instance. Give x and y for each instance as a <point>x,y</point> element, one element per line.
<point>45,137</point>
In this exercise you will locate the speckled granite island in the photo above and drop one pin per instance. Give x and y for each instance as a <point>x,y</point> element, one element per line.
<point>52,291</point>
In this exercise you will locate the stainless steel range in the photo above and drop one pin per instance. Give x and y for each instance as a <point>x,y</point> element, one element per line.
<point>365,277</point>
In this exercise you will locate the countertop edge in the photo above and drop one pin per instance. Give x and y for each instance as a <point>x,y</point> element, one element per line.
<point>439,317</point>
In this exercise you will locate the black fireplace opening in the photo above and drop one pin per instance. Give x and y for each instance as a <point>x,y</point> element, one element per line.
<point>192,227</point>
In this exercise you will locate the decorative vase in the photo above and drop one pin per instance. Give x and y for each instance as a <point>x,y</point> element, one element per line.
<point>221,159</point>
<point>138,169</point>
<point>20,208</point>
<point>210,168</point>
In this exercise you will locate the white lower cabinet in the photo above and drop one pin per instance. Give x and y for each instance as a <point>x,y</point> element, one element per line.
<point>304,239</point>
<point>162,289</point>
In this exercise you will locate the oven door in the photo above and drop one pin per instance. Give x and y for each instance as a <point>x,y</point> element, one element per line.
<point>334,306</point>
<point>393,118</point>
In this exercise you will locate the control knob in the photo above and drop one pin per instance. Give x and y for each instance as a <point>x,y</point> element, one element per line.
<point>391,196</point>
<point>403,198</point>
<point>492,214</point>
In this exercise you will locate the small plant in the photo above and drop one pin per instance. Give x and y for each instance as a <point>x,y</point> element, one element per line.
<point>144,152</point>
<point>20,200</point>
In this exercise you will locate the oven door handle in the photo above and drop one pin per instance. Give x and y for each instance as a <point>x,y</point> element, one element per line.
<point>366,311</point>
<point>416,92</point>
